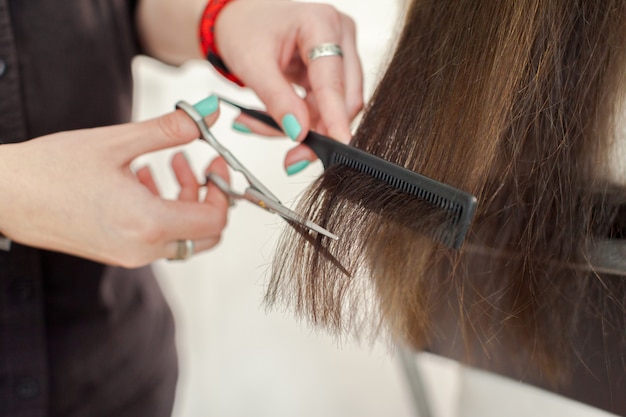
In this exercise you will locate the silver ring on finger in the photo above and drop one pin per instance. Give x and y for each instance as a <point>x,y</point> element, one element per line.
<point>184,250</point>
<point>325,49</point>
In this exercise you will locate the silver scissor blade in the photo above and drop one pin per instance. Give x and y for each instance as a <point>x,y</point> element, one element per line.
<point>319,229</point>
<point>260,200</point>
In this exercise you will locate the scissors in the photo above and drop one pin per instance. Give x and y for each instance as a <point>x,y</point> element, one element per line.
<point>256,192</point>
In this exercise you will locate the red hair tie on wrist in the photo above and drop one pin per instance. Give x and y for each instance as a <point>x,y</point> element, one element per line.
<point>207,38</point>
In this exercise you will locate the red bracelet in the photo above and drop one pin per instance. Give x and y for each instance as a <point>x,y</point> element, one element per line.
<point>207,38</point>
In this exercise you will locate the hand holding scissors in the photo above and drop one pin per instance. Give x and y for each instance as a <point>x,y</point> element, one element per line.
<point>256,193</point>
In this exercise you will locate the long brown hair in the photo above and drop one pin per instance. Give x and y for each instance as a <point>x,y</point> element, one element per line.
<point>515,102</point>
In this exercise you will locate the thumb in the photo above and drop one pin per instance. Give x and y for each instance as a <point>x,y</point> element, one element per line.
<point>169,130</point>
<point>172,129</point>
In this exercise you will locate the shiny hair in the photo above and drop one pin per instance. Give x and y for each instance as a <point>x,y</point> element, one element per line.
<point>516,102</point>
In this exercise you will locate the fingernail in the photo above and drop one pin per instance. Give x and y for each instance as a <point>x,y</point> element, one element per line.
<point>207,106</point>
<point>240,127</point>
<point>297,167</point>
<point>291,126</point>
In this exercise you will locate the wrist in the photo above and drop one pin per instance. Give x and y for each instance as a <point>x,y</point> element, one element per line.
<point>207,38</point>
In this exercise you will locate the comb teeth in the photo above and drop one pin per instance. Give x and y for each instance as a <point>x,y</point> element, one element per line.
<point>412,189</point>
<point>452,234</point>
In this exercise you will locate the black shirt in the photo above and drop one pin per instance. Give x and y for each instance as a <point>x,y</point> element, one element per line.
<point>77,338</point>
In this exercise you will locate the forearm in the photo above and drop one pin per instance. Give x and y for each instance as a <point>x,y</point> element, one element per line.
<point>168,29</point>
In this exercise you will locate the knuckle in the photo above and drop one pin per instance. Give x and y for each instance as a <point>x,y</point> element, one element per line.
<point>333,87</point>
<point>327,14</point>
<point>173,126</point>
<point>330,12</point>
<point>170,126</point>
<point>140,233</point>
<point>355,106</point>
<point>350,24</point>
<point>147,231</point>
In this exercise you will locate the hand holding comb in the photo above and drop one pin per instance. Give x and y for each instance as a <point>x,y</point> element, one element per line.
<point>457,206</point>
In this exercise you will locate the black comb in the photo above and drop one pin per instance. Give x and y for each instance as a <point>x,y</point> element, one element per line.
<point>458,205</point>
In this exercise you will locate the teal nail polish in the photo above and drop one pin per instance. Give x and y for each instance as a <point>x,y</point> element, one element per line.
<point>207,106</point>
<point>240,127</point>
<point>291,126</point>
<point>297,167</point>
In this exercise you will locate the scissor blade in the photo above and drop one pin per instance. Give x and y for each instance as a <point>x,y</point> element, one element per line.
<point>259,199</point>
<point>316,227</point>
